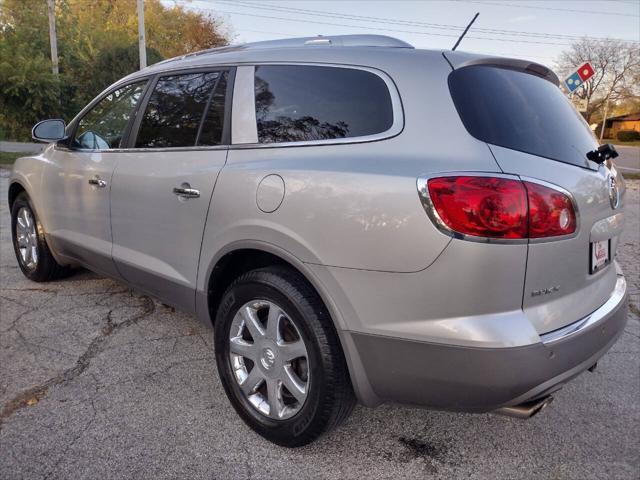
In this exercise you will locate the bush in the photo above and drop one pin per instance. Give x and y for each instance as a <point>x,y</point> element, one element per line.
<point>628,135</point>
<point>113,63</point>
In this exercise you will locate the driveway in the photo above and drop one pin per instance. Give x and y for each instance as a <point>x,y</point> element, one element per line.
<point>99,381</point>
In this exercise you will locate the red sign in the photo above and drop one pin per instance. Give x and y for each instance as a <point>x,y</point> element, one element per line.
<point>585,71</point>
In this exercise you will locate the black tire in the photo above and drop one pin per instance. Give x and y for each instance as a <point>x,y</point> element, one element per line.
<point>330,397</point>
<point>46,268</point>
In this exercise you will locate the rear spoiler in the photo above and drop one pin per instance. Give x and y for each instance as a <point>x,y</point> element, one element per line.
<point>461,59</point>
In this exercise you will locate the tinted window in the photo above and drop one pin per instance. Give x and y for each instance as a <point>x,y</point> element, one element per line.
<point>103,126</point>
<point>520,111</point>
<point>212,126</point>
<point>175,111</point>
<point>298,103</point>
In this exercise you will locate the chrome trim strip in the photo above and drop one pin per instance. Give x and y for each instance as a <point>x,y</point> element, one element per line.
<point>136,150</point>
<point>246,121</point>
<point>617,296</point>
<point>244,128</point>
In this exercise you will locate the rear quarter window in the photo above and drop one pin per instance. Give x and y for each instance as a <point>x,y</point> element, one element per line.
<point>520,111</point>
<point>296,103</point>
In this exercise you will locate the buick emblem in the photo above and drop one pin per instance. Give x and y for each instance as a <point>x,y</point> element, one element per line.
<point>614,194</point>
<point>268,358</point>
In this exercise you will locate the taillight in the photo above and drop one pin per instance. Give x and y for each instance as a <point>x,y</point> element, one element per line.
<point>481,206</point>
<point>506,208</point>
<point>551,212</point>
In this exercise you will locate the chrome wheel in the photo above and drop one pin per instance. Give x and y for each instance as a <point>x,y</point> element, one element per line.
<point>269,359</point>
<point>26,238</point>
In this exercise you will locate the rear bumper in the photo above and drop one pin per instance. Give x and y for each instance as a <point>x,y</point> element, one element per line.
<point>473,379</point>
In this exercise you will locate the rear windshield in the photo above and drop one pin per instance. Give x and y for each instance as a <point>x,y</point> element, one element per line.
<point>522,112</point>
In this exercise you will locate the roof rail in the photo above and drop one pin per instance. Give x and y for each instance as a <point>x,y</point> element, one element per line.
<point>334,41</point>
<point>320,40</point>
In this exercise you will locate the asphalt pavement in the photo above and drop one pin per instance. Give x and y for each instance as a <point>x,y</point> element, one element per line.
<point>100,381</point>
<point>628,160</point>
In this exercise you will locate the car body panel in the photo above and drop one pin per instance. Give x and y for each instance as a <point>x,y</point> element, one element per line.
<point>458,378</point>
<point>450,302</point>
<point>156,234</point>
<point>76,214</point>
<point>564,263</point>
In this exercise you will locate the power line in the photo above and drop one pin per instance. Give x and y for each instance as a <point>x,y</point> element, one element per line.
<point>537,7</point>
<point>299,20</point>
<point>484,52</point>
<point>437,26</point>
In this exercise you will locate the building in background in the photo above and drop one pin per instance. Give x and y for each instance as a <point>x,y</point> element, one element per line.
<point>620,123</point>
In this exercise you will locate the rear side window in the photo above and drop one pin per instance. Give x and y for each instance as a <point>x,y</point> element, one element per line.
<point>305,103</point>
<point>184,111</point>
<point>520,111</point>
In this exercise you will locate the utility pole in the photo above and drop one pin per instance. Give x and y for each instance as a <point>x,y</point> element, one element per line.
<point>52,36</point>
<point>604,119</point>
<point>141,40</point>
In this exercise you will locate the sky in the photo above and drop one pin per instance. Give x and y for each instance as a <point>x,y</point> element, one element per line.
<point>537,30</point>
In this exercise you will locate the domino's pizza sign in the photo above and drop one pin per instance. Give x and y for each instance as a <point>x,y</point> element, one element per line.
<point>577,78</point>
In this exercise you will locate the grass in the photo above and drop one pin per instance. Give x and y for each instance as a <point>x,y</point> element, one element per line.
<point>7,158</point>
<point>615,141</point>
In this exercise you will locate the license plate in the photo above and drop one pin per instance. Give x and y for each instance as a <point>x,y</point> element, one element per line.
<point>599,255</point>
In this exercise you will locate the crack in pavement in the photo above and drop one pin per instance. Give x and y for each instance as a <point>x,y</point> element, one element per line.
<point>38,392</point>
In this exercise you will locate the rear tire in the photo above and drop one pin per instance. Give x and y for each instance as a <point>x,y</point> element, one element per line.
<point>29,244</point>
<point>326,396</point>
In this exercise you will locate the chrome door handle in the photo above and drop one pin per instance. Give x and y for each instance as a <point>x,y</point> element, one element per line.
<point>97,182</point>
<point>186,192</point>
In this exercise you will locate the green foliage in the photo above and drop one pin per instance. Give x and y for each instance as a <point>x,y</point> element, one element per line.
<point>115,62</point>
<point>8,158</point>
<point>97,45</point>
<point>628,135</point>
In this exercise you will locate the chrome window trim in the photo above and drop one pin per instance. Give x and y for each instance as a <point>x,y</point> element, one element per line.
<point>617,296</point>
<point>134,150</point>
<point>244,124</point>
<point>429,207</point>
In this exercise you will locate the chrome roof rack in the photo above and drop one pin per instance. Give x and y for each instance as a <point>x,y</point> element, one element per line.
<point>334,41</point>
<point>320,40</point>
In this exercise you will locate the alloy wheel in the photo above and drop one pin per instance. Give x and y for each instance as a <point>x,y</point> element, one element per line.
<point>26,238</point>
<point>269,359</point>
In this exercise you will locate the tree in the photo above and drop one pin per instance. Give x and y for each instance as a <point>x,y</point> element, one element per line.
<point>617,69</point>
<point>116,62</point>
<point>96,46</point>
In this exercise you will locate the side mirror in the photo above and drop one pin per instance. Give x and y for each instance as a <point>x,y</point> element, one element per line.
<point>49,130</point>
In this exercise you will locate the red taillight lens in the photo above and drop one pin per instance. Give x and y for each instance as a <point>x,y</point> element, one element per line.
<point>551,212</point>
<point>481,206</point>
<point>501,207</point>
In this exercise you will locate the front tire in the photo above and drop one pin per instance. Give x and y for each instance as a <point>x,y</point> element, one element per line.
<point>279,357</point>
<point>31,249</point>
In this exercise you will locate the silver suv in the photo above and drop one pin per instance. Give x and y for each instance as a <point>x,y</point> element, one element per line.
<point>358,219</point>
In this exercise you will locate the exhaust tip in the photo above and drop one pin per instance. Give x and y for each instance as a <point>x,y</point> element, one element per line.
<point>527,409</point>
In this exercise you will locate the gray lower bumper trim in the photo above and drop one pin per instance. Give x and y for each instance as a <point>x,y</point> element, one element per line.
<point>460,378</point>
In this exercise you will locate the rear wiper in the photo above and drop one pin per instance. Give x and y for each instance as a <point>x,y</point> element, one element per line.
<point>603,153</point>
